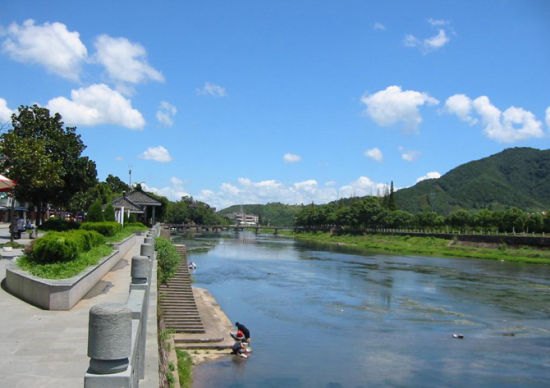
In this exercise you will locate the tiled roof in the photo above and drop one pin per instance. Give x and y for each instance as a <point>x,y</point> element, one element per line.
<point>141,198</point>
<point>127,204</point>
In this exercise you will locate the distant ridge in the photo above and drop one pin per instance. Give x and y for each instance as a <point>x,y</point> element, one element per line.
<point>515,177</point>
<point>274,213</point>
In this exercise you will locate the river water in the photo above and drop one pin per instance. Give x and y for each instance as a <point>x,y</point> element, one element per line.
<point>331,318</point>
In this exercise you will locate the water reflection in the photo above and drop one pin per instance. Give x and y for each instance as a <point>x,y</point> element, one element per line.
<point>323,318</point>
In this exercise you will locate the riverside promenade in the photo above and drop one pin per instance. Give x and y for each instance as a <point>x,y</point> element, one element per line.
<point>42,348</point>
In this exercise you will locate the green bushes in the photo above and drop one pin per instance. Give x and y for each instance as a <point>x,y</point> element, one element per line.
<point>64,246</point>
<point>168,259</point>
<point>106,228</point>
<point>95,213</point>
<point>59,225</point>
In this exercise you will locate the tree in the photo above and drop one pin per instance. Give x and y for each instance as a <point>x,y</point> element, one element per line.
<point>117,185</point>
<point>109,213</point>
<point>45,158</point>
<point>95,214</point>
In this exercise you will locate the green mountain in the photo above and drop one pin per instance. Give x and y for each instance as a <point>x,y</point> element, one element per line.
<point>515,177</point>
<point>274,214</point>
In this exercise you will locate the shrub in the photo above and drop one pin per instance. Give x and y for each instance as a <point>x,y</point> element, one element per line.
<point>59,225</point>
<point>109,213</point>
<point>95,214</point>
<point>168,259</point>
<point>105,228</point>
<point>86,239</point>
<point>55,246</point>
<point>63,246</point>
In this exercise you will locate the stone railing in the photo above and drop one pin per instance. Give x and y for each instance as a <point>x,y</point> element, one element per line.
<point>117,333</point>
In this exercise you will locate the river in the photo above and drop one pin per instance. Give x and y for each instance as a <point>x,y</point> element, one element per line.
<point>332,318</point>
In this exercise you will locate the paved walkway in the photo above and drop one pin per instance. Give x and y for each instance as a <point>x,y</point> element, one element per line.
<point>41,348</point>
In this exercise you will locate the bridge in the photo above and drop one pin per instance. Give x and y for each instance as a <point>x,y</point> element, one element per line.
<point>236,228</point>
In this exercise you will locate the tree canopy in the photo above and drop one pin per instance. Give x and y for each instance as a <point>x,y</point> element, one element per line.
<point>45,158</point>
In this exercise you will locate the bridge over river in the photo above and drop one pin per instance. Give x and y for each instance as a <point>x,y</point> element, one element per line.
<point>236,228</point>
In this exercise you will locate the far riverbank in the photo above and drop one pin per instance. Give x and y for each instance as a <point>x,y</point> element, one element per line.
<point>429,246</point>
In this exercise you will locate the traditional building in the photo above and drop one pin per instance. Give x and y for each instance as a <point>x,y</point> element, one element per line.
<point>139,203</point>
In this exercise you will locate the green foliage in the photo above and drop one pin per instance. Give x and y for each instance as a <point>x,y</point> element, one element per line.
<point>168,259</point>
<point>185,368</point>
<point>272,214</point>
<point>59,225</point>
<point>55,246</point>
<point>63,270</point>
<point>95,214</point>
<point>45,158</point>
<point>188,210</point>
<point>515,177</point>
<point>109,213</point>
<point>116,184</point>
<point>64,246</point>
<point>105,228</point>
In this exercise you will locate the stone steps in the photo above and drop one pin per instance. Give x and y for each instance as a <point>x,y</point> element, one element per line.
<point>177,302</point>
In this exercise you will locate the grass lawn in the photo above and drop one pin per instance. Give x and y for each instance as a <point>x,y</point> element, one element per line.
<point>68,269</point>
<point>427,246</point>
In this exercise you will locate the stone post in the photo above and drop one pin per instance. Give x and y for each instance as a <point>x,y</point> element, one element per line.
<point>147,250</point>
<point>109,346</point>
<point>141,275</point>
<point>149,240</point>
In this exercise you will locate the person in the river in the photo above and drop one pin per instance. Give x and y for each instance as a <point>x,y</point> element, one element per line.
<point>245,331</point>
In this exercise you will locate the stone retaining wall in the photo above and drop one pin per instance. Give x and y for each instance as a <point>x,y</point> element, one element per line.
<point>62,294</point>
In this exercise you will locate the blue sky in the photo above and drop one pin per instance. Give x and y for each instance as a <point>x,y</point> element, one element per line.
<point>291,101</point>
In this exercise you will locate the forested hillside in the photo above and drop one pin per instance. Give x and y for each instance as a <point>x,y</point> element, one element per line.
<point>515,177</point>
<point>274,214</point>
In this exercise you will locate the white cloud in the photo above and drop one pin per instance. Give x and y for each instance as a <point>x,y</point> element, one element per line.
<point>166,113</point>
<point>375,154</point>
<point>438,22</point>
<point>95,105</point>
<point>5,112</point>
<point>512,125</point>
<point>379,26</point>
<point>437,41</point>
<point>247,191</point>
<point>548,117</point>
<point>173,192</point>
<point>330,183</point>
<point>460,105</point>
<point>432,43</point>
<point>391,105</point>
<point>291,158</point>
<point>119,158</point>
<point>158,154</point>
<point>124,61</point>
<point>51,45</point>
<point>430,175</point>
<point>212,90</point>
<point>410,155</point>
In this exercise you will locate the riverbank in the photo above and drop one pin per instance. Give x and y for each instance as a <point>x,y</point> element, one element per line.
<point>429,246</point>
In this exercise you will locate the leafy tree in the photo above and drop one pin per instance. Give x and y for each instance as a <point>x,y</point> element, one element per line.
<point>95,214</point>
<point>45,158</point>
<point>535,223</point>
<point>459,219</point>
<point>116,184</point>
<point>514,220</point>
<point>109,213</point>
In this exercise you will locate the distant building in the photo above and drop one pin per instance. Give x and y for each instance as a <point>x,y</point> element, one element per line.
<point>136,202</point>
<point>244,219</point>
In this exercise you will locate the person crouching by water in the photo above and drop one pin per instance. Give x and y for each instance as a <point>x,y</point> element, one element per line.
<point>244,330</point>
<point>239,349</point>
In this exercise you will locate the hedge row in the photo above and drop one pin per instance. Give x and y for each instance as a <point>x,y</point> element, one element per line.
<point>64,246</point>
<point>106,228</point>
<point>168,259</point>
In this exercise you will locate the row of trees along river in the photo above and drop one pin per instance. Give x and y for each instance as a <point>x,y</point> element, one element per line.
<point>380,212</point>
